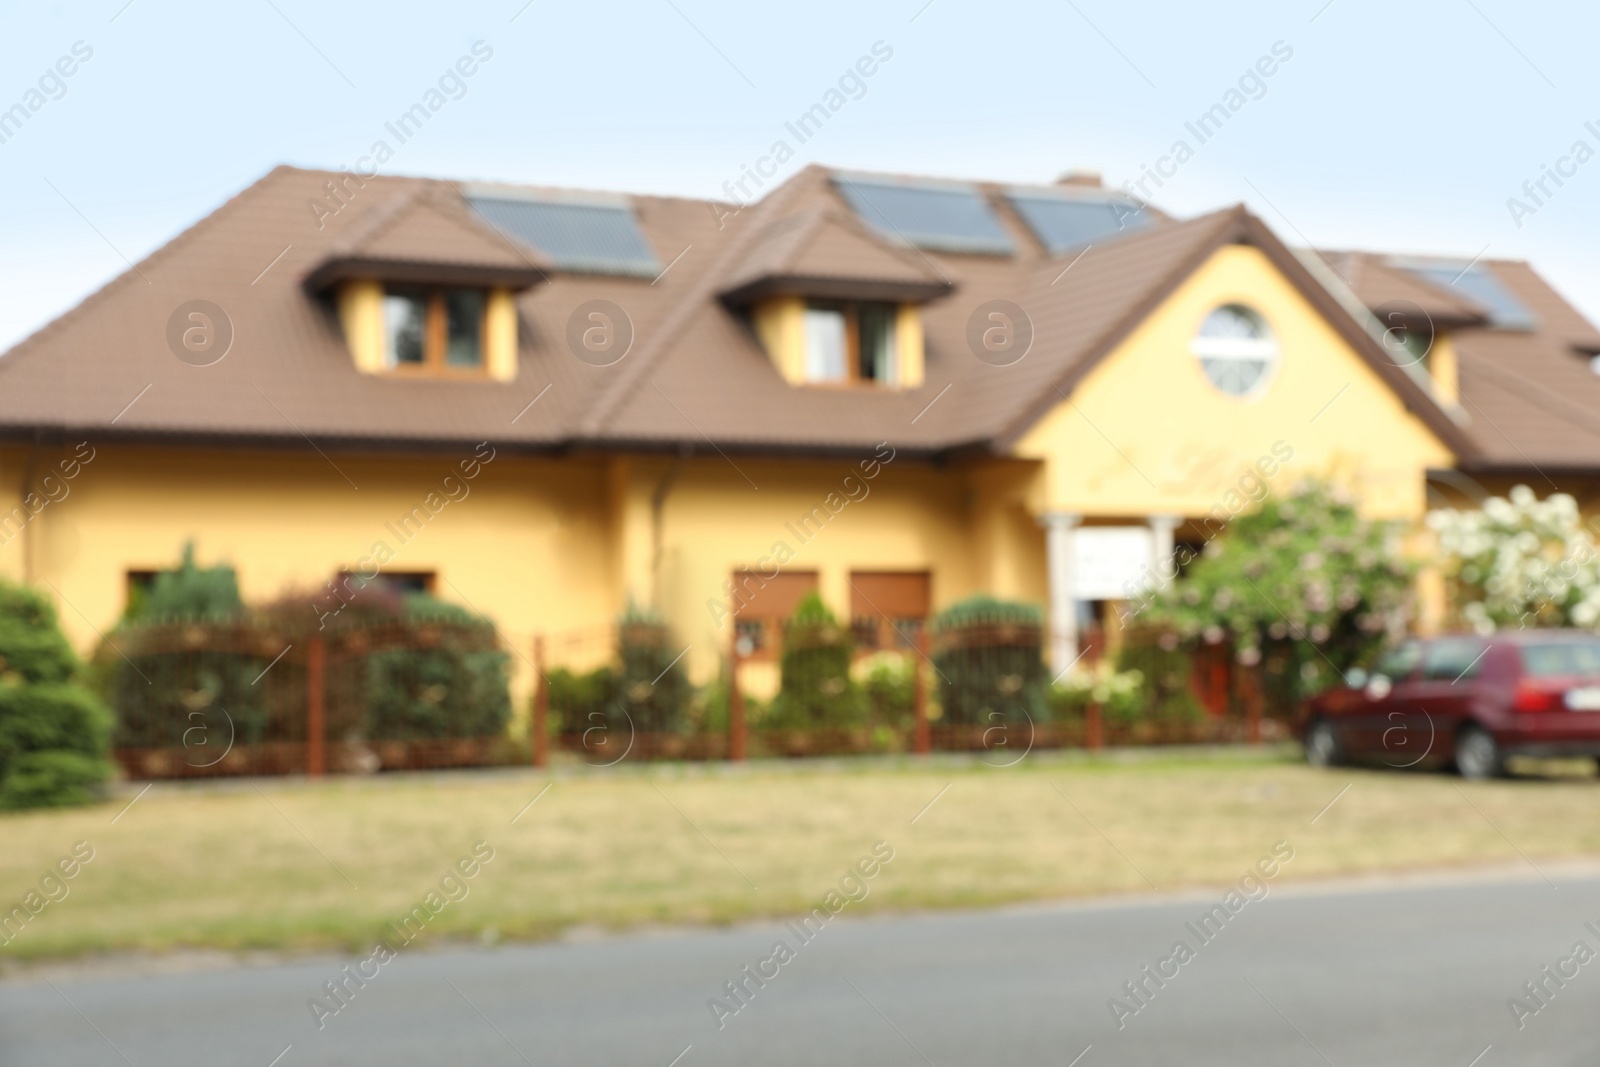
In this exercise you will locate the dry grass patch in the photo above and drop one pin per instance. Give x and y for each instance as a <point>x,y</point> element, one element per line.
<point>265,865</point>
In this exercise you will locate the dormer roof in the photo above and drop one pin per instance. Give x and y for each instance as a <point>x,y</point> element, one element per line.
<point>429,236</point>
<point>823,252</point>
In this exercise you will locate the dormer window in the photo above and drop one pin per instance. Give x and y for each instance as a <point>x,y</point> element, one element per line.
<point>851,342</point>
<point>433,330</point>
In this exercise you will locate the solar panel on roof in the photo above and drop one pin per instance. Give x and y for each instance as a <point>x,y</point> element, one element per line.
<point>1476,282</point>
<point>586,238</point>
<point>944,217</point>
<point>1064,222</point>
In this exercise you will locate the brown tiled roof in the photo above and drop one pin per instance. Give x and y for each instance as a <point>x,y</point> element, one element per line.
<point>694,374</point>
<point>824,252</point>
<point>1379,285</point>
<point>1530,400</point>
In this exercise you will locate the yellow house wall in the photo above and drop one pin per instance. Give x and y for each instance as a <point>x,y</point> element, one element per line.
<point>500,335</point>
<point>909,344</point>
<point>526,545</point>
<point>360,306</point>
<point>1146,433</point>
<point>779,323</point>
<point>1445,368</point>
<point>908,517</point>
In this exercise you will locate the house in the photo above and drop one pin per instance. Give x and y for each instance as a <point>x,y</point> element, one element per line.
<point>548,404</point>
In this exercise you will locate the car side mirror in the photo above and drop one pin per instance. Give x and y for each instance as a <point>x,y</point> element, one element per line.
<point>1355,678</point>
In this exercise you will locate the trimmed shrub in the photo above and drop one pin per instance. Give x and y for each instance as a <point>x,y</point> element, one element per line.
<point>457,688</point>
<point>815,689</point>
<point>54,733</point>
<point>989,662</point>
<point>647,686</point>
<point>652,684</point>
<point>159,696</point>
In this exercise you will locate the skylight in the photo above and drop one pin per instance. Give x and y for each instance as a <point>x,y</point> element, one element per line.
<point>1476,282</point>
<point>939,216</point>
<point>1063,221</point>
<point>582,236</point>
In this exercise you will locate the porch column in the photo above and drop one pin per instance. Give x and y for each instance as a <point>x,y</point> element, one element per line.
<point>1059,527</point>
<point>1162,528</point>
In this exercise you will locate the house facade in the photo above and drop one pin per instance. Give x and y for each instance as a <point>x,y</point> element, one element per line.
<point>550,405</point>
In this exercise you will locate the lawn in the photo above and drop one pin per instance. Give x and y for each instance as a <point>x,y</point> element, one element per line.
<point>289,864</point>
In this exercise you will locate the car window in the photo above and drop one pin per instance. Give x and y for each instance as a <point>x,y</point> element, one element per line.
<point>1452,659</point>
<point>1558,658</point>
<point>1398,663</point>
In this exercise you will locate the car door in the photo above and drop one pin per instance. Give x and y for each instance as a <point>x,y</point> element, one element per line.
<point>1431,705</point>
<point>1366,723</point>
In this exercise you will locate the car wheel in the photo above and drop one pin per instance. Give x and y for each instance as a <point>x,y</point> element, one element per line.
<point>1323,747</point>
<point>1477,755</point>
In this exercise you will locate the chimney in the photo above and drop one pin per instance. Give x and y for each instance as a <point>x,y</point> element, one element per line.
<point>1081,178</point>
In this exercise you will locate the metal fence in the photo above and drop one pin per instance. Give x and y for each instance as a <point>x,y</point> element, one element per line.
<point>610,694</point>
<point>250,696</point>
<point>246,696</point>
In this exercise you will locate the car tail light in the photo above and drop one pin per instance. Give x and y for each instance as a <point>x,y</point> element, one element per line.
<point>1532,697</point>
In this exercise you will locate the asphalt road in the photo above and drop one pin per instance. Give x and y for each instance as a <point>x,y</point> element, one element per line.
<point>1408,974</point>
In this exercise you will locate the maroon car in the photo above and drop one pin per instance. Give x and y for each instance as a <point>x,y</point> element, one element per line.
<point>1467,699</point>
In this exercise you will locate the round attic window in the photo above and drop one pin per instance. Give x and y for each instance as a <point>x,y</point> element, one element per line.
<point>1236,349</point>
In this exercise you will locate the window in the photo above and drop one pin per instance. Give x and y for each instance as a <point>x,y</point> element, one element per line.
<point>887,608</point>
<point>762,603</point>
<point>1236,350</point>
<point>852,342</point>
<point>1397,665</point>
<point>1450,659</point>
<point>139,584</point>
<point>433,330</point>
<point>1559,659</point>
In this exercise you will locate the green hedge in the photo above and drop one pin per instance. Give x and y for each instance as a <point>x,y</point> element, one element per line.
<point>816,689</point>
<point>989,662</point>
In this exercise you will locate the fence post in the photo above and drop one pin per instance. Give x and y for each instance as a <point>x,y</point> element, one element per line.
<point>1093,735</point>
<point>922,735</point>
<point>540,725</point>
<point>735,700</point>
<point>316,717</point>
<point>1252,706</point>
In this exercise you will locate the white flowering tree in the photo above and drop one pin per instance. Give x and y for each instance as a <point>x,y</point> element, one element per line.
<point>1520,562</point>
<point>1303,586</point>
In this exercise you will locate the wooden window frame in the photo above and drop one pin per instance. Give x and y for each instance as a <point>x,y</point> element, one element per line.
<point>852,343</point>
<point>436,338</point>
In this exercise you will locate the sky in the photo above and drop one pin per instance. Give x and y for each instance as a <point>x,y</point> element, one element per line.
<point>1398,127</point>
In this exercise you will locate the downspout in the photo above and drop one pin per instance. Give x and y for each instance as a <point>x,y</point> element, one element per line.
<point>658,504</point>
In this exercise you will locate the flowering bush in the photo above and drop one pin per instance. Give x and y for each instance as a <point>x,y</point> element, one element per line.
<point>1303,586</point>
<point>1520,562</point>
<point>1120,694</point>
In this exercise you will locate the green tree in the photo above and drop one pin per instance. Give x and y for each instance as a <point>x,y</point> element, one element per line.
<point>1302,586</point>
<point>54,733</point>
<point>815,689</point>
